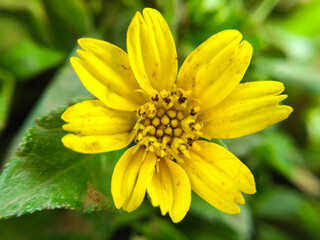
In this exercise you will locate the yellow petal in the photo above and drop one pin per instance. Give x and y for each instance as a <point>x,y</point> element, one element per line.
<point>130,177</point>
<point>181,192</point>
<point>170,190</point>
<point>250,108</point>
<point>152,51</point>
<point>215,68</point>
<point>160,188</point>
<point>105,71</point>
<point>218,176</point>
<point>97,143</point>
<point>92,117</point>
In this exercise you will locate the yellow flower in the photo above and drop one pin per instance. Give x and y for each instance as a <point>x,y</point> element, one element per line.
<point>142,98</point>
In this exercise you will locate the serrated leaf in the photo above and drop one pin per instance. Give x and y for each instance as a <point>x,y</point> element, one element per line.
<point>46,175</point>
<point>64,86</point>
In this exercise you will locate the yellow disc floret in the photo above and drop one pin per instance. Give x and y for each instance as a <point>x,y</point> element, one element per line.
<point>168,125</point>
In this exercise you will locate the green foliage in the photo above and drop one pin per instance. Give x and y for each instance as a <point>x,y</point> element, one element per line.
<point>21,55</point>
<point>46,175</point>
<point>6,91</point>
<point>279,153</point>
<point>64,87</point>
<point>41,34</point>
<point>303,19</point>
<point>292,208</point>
<point>38,35</point>
<point>234,226</point>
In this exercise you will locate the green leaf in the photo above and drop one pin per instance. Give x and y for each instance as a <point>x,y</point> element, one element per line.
<point>219,142</point>
<point>20,54</point>
<point>263,11</point>
<point>241,224</point>
<point>6,92</point>
<point>313,126</point>
<point>278,203</point>
<point>32,14</point>
<point>296,47</point>
<point>267,231</point>
<point>63,87</point>
<point>55,225</point>
<point>279,152</point>
<point>301,74</point>
<point>242,147</point>
<point>305,19</point>
<point>68,21</point>
<point>46,175</point>
<point>26,59</point>
<point>159,228</point>
<point>285,205</point>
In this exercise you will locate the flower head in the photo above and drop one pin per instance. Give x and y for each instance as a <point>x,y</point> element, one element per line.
<point>142,98</point>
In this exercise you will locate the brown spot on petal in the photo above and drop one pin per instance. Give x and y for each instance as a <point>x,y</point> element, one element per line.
<point>193,82</point>
<point>153,75</point>
<point>124,67</point>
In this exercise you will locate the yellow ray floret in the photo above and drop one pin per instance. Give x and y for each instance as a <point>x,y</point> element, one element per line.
<point>105,71</point>
<point>130,177</point>
<point>152,51</point>
<point>215,68</point>
<point>97,128</point>
<point>250,108</point>
<point>218,176</point>
<point>170,190</point>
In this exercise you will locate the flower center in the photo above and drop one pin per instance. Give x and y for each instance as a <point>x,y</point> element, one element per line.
<point>168,125</point>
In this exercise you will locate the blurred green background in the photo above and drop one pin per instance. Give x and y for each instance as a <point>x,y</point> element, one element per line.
<point>37,37</point>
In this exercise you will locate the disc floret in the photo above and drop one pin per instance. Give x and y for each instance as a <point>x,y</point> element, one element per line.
<point>167,125</point>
